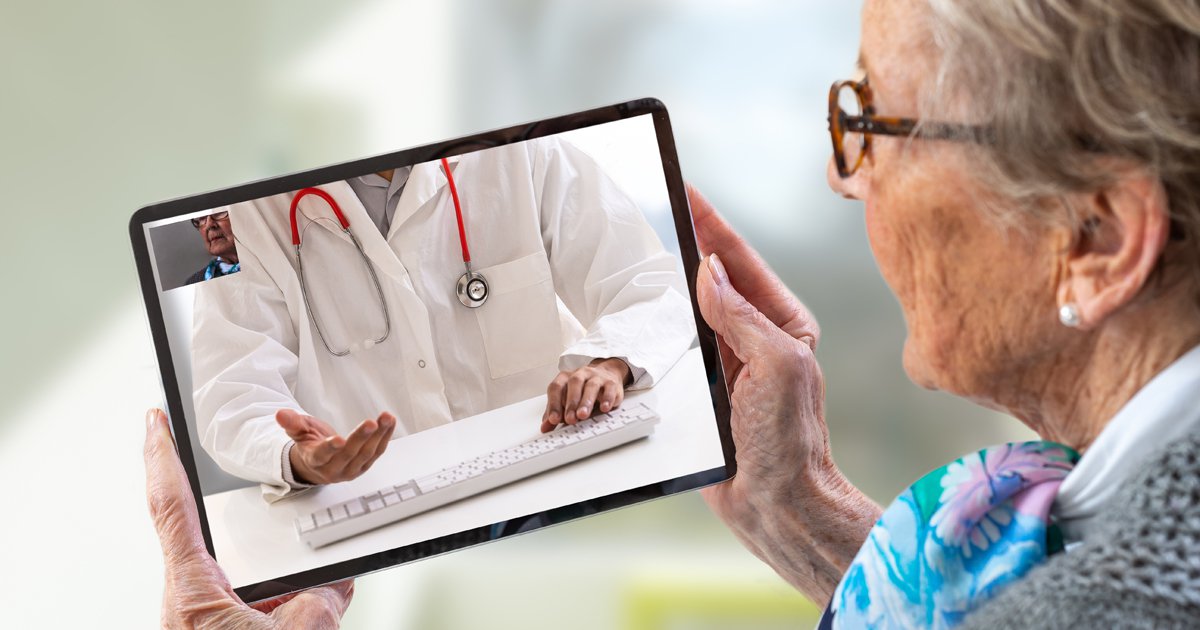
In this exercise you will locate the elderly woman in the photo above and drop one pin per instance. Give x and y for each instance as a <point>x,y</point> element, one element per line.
<point>1031,177</point>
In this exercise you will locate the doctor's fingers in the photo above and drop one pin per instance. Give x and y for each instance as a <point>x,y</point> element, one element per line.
<point>355,442</point>
<point>300,426</point>
<point>554,398</point>
<point>374,447</point>
<point>591,392</point>
<point>574,395</point>
<point>383,444</point>
<point>332,451</point>
<point>611,396</point>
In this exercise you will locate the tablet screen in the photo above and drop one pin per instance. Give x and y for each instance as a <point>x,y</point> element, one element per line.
<point>383,360</point>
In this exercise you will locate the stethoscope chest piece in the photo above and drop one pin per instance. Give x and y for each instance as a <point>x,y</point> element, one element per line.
<point>472,289</point>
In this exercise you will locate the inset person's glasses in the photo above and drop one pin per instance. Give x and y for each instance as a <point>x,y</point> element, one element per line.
<point>216,216</point>
<point>852,122</point>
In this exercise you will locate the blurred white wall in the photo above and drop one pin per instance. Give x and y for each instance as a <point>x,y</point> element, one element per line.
<point>110,106</point>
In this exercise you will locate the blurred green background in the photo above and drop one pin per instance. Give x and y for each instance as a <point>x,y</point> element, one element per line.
<point>110,106</point>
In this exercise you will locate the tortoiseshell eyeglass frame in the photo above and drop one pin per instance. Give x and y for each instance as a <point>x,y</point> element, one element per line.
<point>868,124</point>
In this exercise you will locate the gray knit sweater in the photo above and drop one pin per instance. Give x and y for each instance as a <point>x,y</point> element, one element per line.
<point>1140,570</point>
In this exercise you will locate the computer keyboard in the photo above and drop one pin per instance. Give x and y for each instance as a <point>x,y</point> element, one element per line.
<point>566,444</point>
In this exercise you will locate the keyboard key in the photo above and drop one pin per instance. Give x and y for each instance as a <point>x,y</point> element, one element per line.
<point>429,484</point>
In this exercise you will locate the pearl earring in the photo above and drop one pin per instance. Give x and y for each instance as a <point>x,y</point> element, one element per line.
<point>1068,314</point>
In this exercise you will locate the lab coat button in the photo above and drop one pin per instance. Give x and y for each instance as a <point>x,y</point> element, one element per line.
<point>421,363</point>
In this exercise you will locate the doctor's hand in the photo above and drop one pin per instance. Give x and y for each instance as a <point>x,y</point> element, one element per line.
<point>575,395</point>
<point>322,456</point>
<point>197,594</point>
<point>788,504</point>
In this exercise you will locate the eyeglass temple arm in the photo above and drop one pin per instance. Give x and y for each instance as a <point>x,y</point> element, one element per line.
<point>887,126</point>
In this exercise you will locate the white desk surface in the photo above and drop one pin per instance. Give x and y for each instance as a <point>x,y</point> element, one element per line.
<point>255,541</point>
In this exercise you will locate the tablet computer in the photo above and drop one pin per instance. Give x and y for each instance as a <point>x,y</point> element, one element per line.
<point>374,362</point>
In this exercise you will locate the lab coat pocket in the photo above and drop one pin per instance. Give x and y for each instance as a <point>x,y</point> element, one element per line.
<point>519,321</point>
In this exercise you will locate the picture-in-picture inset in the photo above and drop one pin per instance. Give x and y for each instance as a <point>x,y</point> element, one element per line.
<point>190,251</point>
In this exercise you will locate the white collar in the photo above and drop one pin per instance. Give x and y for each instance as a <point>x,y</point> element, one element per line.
<point>1165,409</point>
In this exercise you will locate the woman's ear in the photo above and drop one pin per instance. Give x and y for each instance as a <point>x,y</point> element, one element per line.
<point>1116,246</point>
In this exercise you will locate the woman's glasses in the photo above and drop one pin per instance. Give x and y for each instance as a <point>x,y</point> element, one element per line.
<point>216,216</point>
<point>852,122</point>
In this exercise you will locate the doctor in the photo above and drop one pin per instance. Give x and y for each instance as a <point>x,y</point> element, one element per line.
<point>582,303</point>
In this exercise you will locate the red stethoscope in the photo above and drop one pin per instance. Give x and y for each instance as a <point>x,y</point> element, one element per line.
<point>472,287</point>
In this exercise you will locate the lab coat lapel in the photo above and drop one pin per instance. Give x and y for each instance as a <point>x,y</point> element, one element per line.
<point>376,249</point>
<point>423,184</point>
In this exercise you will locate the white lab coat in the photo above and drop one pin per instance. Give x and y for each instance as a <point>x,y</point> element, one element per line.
<point>575,273</point>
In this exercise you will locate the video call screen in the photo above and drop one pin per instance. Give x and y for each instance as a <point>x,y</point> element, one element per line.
<point>440,352</point>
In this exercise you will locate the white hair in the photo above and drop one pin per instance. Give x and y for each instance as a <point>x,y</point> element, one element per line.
<point>1060,82</point>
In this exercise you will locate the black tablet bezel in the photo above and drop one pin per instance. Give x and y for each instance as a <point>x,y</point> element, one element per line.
<point>314,177</point>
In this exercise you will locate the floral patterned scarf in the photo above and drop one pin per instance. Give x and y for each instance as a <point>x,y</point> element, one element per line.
<point>954,539</point>
<point>217,268</point>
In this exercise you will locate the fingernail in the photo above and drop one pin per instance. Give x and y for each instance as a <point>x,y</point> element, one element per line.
<point>717,269</point>
<point>583,412</point>
<point>554,417</point>
<point>151,416</point>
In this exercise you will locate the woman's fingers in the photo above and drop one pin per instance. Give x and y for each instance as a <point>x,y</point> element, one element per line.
<point>316,608</point>
<point>713,234</point>
<point>169,495</point>
<point>195,585</point>
<point>742,326</point>
<point>750,274</point>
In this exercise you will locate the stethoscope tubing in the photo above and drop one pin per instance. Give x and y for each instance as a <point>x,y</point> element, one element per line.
<point>462,230</point>
<point>387,319</point>
<point>472,288</point>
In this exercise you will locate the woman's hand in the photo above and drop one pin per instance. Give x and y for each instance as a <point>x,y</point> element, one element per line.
<point>788,503</point>
<point>197,595</point>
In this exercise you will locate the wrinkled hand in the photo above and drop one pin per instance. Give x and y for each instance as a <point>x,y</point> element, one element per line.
<point>575,395</point>
<point>322,456</point>
<point>197,594</point>
<point>788,503</point>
